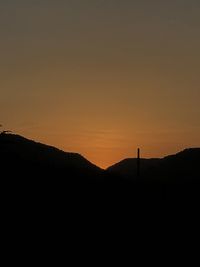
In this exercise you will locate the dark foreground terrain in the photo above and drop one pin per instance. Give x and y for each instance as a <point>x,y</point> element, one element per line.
<point>39,173</point>
<point>60,201</point>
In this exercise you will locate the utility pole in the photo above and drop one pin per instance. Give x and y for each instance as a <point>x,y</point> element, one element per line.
<point>138,163</point>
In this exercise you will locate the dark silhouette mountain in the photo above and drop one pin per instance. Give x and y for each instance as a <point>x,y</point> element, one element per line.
<point>181,167</point>
<point>39,176</point>
<point>127,168</point>
<point>25,158</point>
<point>38,173</point>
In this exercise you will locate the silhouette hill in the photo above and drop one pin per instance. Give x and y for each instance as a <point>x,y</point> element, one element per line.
<point>179,168</point>
<point>35,171</point>
<point>25,158</point>
<point>37,175</point>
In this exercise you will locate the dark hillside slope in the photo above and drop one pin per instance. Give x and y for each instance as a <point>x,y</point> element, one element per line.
<point>183,167</point>
<point>179,168</point>
<point>21,157</point>
<point>127,168</point>
<point>36,171</point>
<point>40,171</point>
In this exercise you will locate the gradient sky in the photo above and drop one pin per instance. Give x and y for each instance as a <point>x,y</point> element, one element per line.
<point>102,77</point>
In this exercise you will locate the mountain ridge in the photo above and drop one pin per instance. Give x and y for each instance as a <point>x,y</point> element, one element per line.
<point>22,153</point>
<point>182,164</point>
<point>40,173</point>
<point>30,158</point>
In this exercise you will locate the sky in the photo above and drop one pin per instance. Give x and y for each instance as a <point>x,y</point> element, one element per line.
<point>102,77</point>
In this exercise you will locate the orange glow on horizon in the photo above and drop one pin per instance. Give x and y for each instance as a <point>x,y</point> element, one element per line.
<point>102,78</point>
<point>107,148</point>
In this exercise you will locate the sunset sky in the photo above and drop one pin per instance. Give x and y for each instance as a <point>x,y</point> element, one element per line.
<point>102,77</point>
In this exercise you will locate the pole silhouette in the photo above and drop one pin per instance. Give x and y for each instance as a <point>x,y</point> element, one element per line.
<point>138,162</point>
